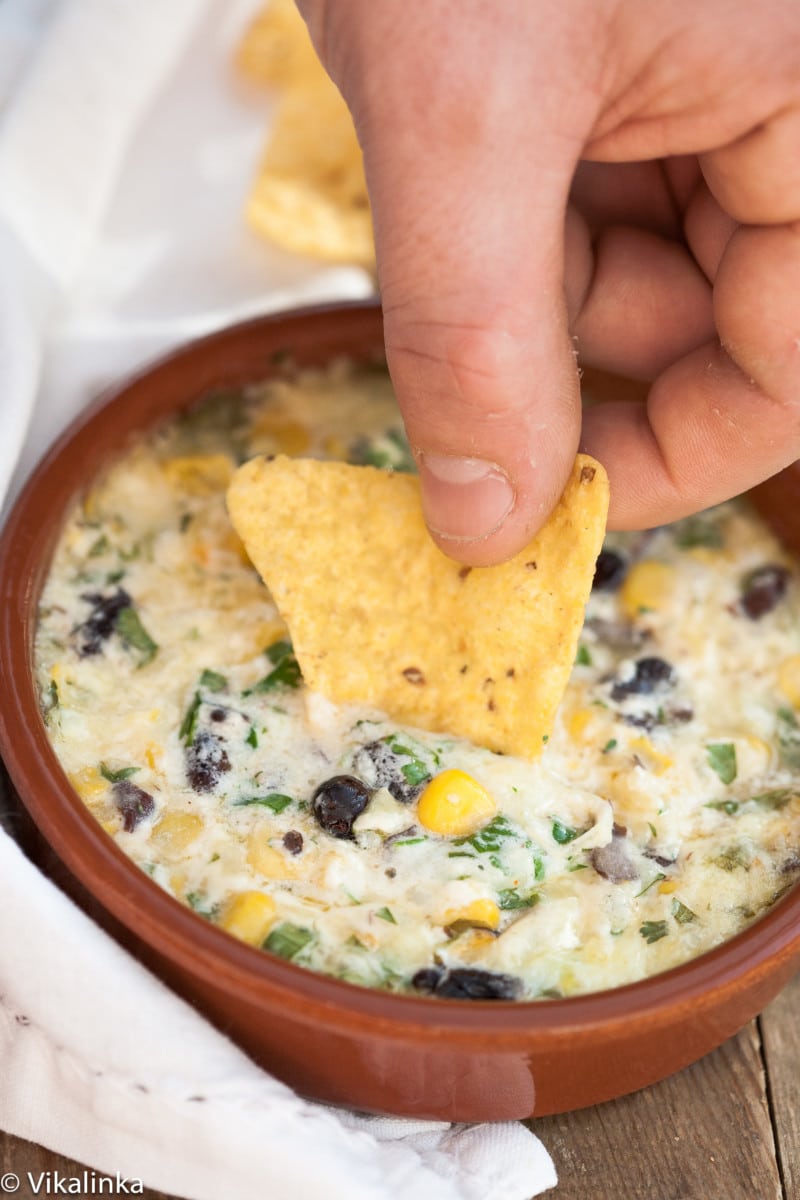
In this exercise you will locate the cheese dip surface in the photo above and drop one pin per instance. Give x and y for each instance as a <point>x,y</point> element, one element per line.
<point>662,817</point>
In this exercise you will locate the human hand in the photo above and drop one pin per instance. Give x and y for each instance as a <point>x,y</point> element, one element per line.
<point>609,178</point>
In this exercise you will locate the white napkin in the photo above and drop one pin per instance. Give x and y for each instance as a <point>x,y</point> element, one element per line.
<point>125,149</point>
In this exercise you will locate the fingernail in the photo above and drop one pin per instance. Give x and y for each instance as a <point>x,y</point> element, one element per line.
<point>464,499</point>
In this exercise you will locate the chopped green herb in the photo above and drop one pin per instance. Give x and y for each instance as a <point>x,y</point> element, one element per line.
<point>130,628</point>
<point>52,696</point>
<point>733,857</point>
<point>200,903</point>
<point>275,800</point>
<point>682,914</point>
<point>116,776</point>
<point>722,759</point>
<point>287,940</point>
<point>656,879</point>
<point>414,842</point>
<point>189,722</point>
<point>285,673</point>
<point>115,576</point>
<point>697,531</point>
<point>132,554</point>
<point>213,681</point>
<point>577,866</point>
<point>509,899</point>
<point>563,833</point>
<point>731,807</point>
<point>185,522</point>
<point>415,772</point>
<point>653,931</point>
<point>583,658</point>
<point>489,839</point>
<point>789,738</point>
<point>775,799</point>
<point>538,867</point>
<point>386,914</point>
<point>252,737</point>
<point>100,547</point>
<point>652,829</point>
<point>610,745</point>
<point>545,737</point>
<point>388,451</point>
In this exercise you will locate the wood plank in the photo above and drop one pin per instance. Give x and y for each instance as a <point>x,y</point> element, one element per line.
<point>704,1134</point>
<point>24,1159</point>
<point>780,1035</point>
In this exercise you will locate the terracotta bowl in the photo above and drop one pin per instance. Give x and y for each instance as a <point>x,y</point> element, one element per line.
<point>465,1061</point>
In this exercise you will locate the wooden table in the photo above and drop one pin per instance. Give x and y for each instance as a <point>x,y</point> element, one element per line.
<point>727,1128</point>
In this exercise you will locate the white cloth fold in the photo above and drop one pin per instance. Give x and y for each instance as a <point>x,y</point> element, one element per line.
<point>125,148</point>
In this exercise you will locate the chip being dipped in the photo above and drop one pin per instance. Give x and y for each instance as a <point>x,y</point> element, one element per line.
<point>379,615</point>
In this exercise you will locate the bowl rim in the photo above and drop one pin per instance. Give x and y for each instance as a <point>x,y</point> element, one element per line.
<point>175,931</point>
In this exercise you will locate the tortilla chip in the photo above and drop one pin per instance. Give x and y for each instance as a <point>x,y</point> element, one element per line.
<point>310,194</point>
<point>277,49</point>
<point>379,616</point>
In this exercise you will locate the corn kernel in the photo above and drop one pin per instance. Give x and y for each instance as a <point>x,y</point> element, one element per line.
<point>668,886</point>
<point>648,585</point>
<point>89,784</point>
<point>266,860</point>
<point>481,913</point>
<point>248,916</point>
<point>789,679</point>
<point>654,759</point>
<point>284,434</point>
<point>199,474</point>
<point>455,804</point>
<point>176,831</point>
<point>579,720</point>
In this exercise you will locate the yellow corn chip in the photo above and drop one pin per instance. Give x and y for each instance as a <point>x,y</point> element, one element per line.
<point>378,615</point>
<point>310,195</point>
<point>277,50</point>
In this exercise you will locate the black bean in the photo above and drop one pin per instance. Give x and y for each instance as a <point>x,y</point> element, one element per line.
<point>133,803</point>
<point>382,768</point>
<point>206,760</point>
<point>609,571</point>
<point>99,625</point>
<point>293,841</point>
<point>763,589</point>
<point>218,714</point>
<point>337,802</point>
<point>612,861</point>
<point>471,983</point>
<point>650,675</point>
<point>427,979</point>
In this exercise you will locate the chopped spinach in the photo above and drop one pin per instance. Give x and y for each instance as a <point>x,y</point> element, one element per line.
<point>722,759</point>
<point>564,833</point>
<point>287,940</point>
<point>656,879</point>
<point>653,931</point>
<point>510,899</point>
<point>130,628</point>
<point>285,672</point>
<point>275,800</point>
<point>733,857</point>
<point>252,737</point>
<point>115,776</point>
<point>698,531</point>
<point>212,681</point>
<point>583,658</point>
<point>789,737</point>
<point>189,723</point>
<point>682,914</point>
<point>386,914</point>
<point>731,807</point>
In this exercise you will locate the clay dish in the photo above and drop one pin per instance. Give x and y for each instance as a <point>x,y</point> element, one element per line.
<point>462,1061</point>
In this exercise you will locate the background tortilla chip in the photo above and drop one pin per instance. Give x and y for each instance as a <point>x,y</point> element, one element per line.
<point>310,194</point>
<point>378,615</point>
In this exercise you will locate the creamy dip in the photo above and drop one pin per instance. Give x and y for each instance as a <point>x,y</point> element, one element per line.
<point>662,817</point>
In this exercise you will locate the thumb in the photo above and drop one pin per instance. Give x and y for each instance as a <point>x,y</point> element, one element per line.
<point>468,190</point>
